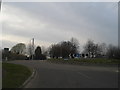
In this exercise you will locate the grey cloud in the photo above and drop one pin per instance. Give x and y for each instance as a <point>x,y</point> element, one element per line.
<point>97,21</point>
<point>7,44</point>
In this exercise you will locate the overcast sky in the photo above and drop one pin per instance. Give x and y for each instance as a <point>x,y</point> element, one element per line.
<point>51,22</point>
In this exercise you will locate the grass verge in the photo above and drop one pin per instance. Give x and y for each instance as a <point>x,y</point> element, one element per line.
<point>13,75</point>
<point>86,61</point>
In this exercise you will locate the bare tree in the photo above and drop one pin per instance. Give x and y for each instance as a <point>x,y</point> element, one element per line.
<point>63,49</point>
<point>29,50</point>
<point>55,51</point>
<point>92,49</point>
<point>113,52</point>
<point>103,49</point>
<point>89,47</point>
<point>75,43</point>
<point>44,50</point>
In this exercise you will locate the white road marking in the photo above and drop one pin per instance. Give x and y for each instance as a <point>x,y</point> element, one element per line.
<point>117,71</point>
<point>84,75</point>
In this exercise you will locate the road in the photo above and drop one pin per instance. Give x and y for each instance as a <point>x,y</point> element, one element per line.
<point>50,75</point>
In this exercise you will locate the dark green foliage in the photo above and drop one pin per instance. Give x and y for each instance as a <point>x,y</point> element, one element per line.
<point>38,54</point>
<point>43,57</point>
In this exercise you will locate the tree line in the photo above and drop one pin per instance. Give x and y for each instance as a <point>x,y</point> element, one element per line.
<point>63,49</point>
<point>18,52</point>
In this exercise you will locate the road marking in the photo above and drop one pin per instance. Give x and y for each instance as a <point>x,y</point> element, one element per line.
<point>84,75</point>
<point>116,71</point>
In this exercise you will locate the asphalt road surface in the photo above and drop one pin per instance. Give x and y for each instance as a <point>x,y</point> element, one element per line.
<point>50,75</point>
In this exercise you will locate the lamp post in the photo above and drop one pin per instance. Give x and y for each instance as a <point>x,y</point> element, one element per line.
<point>33,49</point>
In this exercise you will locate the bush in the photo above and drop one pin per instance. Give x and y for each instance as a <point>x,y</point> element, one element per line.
<point>13,56</point>
<point>43,57</point>
<point>113,52</point>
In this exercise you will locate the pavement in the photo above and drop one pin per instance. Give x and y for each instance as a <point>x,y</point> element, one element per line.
<point>51,75</point>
